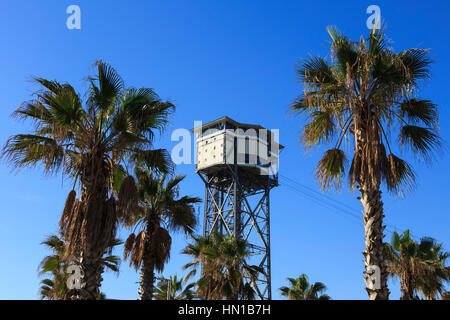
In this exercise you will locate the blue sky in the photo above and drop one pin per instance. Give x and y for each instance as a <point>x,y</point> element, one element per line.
<point>214,58</point>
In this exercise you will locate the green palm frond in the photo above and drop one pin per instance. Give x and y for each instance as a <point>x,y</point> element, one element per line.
<point>415,63</point>
<point>320,129</point>
<point>331,169</point>
<point>110,85</point>
<point>416,110</point>
<point>157,159</point>
<point>398,175</point>
<point>344,50</point>
<point>422,141</point>
<point>316,71</point>
<point>27,150</point>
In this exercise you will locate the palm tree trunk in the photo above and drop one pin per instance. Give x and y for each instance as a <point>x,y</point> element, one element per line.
<point>368,178</point>
<point>91,277</point>
<point>376,273</point>
<point>147,281</point>
<point>147,270</point>
<point>97,228</point>
<point>407,287</point>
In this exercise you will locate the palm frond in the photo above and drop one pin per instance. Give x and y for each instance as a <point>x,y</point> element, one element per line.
<point>422,141</point>
<point>344,50</point>
<point>157,159</point>
<point>398,175</point>
<point>110,84</point>
<point>415,63</point>
<point>316,71</point>
<point>331,168</point>
<point>320,129</point>
<point>416,110</point>
<point>27,150</point>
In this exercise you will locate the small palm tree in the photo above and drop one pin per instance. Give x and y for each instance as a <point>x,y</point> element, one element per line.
<point>356,102</point>
<point>225,274</point>
<point>301,289</point>
<point>419,266</point>
<point>54,288</point>
<point>436,275</point>
<point>92,144</point>
<point>159,210</point>
<point>56,265</point>
<point>173,289</point>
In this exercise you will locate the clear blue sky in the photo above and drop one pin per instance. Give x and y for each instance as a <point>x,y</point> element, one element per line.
<point>214,58</point>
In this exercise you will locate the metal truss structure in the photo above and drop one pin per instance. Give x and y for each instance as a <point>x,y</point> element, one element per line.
<point>237,204</point>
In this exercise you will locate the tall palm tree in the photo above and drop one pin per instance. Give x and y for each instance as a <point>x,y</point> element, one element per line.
<point>56,286</point>
<point>419,266</point>
<point>160,209</point>
<point>360,98</point>
<point>92,144</point>
<point>224,272</point>
<point>301,289</point>
<point>173,289</point>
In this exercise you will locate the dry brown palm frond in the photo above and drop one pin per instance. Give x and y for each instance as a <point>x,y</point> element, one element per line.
<point>70,201</point>
<point>70,228</point>
<point>355,169</point>
<point>138,251</point>
<point>67,212</point>
<point>159,248</point>
<point>109,223</point>
<point>128,246</point>
<point>128,195</point>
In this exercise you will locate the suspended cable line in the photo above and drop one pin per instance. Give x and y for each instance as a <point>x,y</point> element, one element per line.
<point>331,203</point>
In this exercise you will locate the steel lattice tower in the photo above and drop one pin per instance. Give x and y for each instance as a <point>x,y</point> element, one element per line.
<point>237,194</point>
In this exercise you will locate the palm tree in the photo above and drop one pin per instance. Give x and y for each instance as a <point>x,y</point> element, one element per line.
<point>173,289</point>
<point>402,257</point>
<point>359,99</point>
<point>223,268</point>
<point>419,266</point>
<point>159,211</point>
<point>91,144</point>
<point>301,289</point>
<point>54,288</point>
<point>437,274</point>
<point>56,265</point>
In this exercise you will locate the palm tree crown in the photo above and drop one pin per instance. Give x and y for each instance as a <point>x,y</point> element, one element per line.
<point>56,265</point>
<point>225,273</point>
<point>301,289</point>
<point>419,266</point>
<point>173,289</point>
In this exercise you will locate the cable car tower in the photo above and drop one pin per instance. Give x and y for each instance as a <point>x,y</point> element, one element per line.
<point>239,165</point>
